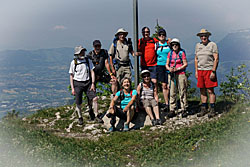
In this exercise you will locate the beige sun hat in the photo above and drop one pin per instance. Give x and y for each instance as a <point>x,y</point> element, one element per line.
<point>121,30</point>
<point>203,32</point>
<point>78,49</point>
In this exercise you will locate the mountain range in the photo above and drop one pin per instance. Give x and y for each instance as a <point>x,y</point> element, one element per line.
<point>33,79</point>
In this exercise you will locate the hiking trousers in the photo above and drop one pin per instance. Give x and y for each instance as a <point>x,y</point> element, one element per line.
<point>178,82</point>
<point>123,71</point>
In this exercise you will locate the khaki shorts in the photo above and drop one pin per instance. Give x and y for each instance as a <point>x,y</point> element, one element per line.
<point>149,103</point>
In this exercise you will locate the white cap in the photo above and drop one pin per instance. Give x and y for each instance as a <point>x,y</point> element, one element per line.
<point>145,72</point>
<point>175,40</point>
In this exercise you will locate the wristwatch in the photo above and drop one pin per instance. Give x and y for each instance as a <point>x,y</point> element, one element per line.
<point>214,72</point>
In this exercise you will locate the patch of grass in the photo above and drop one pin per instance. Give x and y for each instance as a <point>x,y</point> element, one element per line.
<point>192,146</point>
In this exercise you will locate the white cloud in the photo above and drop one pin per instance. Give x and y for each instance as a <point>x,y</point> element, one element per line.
<point>59,27</point>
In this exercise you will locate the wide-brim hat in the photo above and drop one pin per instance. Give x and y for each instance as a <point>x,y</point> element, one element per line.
<point>121,30</point>
<point>204,32</point>
<point>145,72</point>
<point>78,49</point>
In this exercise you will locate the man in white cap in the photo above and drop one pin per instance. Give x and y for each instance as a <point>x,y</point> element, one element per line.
<point>82,79</point>
<point>119,56</point>
<point>206,63</point>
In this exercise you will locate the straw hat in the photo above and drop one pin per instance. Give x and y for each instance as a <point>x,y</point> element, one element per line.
<point>204,32</point>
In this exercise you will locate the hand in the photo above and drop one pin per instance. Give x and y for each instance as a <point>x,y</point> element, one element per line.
<point>111,110</point>
<point>196,74</point>
<point>212,76</point>
<point>73,92</point>
<point>125,109</point>
<point>138,53</point>
<point>113,71</point>
<point>171,69</point>
<point>92,88</point>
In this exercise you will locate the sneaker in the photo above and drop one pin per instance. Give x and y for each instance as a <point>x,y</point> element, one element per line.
<point>171,114</point>
<point>154,122</point>
<point>111,129</point>
<point>203,112</point>
<point>212,113</point>
<point>80,121</point>
<point>126,127</point>
<point>158,122</point>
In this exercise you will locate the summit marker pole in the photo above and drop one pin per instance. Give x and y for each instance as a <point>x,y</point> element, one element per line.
<point>136,58</point>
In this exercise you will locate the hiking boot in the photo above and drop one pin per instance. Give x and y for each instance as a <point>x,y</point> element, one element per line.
<point>80,121</point>
<point>154,122</point>
<point>184,114</point>
<point>171,114</point>
<point>166,108</point>
<point>203,111</point>
<point>126,127</point>
<point>158,122</point>
<point>111,129</point>
<point>99,120</point>
<point>212,112</point>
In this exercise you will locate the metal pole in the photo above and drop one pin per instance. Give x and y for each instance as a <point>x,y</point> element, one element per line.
<point>136,58</point>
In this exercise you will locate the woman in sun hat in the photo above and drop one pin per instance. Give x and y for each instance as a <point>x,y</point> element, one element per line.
<point>206,63</point>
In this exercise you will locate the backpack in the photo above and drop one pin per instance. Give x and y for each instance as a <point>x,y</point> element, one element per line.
<point>141,41</point>
<point>180,57</point>
<point>141,84</point>
<point>98,60</point>
<point>122,95</point>
<point>157,45</point>
<point>87,62</point>
<point>116,61</point>
<point>127,42</point>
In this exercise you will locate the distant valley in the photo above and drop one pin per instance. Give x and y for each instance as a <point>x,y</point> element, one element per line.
<point>35,79</point>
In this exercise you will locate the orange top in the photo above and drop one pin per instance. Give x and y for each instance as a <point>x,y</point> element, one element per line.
<point>147,47</point>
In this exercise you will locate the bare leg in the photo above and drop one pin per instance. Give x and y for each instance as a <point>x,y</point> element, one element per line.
<point>156,111</point>
<point>149,112</point>
<point>203,95</point>
<point>212,97</point>
<point>95,105</point>
<point>165,92</point>
<point>130,114</point>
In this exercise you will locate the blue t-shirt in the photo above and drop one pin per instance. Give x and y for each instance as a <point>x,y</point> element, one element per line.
<point>162,53</point>
<point>127,98</point>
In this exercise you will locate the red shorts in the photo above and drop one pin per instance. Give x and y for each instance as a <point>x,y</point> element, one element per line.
<point>204,79</point>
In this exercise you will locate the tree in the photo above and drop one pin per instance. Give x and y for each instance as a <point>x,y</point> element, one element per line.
<point>237,86</point>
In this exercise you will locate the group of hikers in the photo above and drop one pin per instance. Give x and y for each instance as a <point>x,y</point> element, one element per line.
<point>162,61</point>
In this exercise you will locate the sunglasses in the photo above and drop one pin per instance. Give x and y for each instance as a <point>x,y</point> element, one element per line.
<point>144,32</point>
<point>97,46</point>
<point>162,35</point>
<point>145,76</point>
<point>174,44</point>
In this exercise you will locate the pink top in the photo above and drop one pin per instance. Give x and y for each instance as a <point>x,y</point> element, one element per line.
<point>178,61</point>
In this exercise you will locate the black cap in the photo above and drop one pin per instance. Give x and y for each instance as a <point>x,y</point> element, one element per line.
<point>162,31</point>
<point>96,42</point>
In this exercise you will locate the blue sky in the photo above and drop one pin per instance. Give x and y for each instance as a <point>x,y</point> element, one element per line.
<point>34,24</point>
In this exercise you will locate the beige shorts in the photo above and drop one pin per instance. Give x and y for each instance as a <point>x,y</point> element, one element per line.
<point>149,103</point>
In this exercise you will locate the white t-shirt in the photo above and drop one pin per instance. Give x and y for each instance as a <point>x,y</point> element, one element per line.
<point>82,72</point>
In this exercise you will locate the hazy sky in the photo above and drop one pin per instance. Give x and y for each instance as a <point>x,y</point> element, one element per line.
<point>34,24</point>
